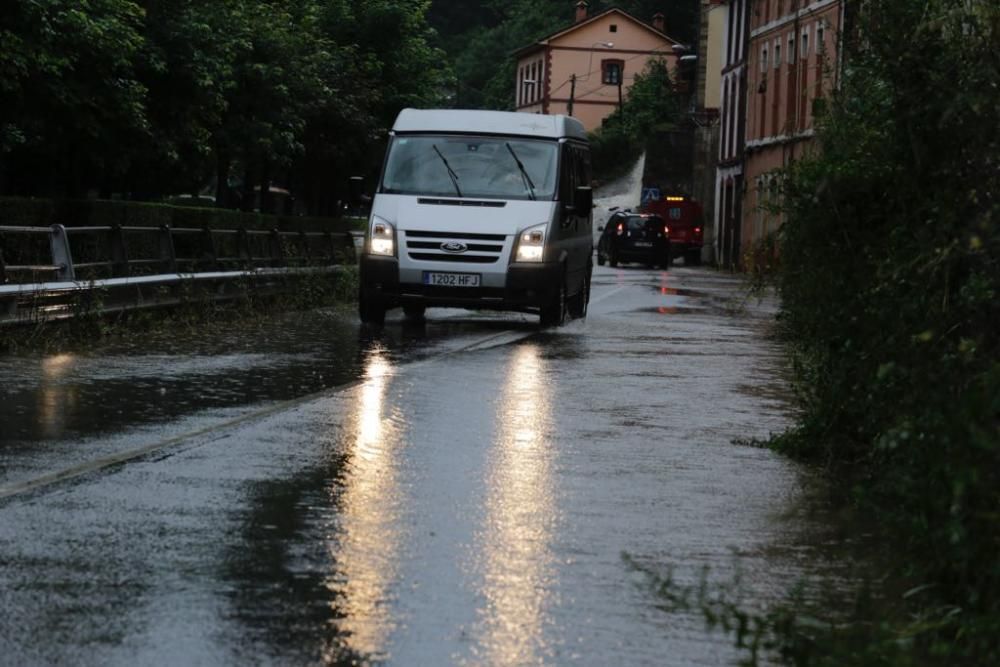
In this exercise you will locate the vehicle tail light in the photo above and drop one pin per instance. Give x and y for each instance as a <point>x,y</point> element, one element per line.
<point>621,228</point>
<point>697,230</point>
<point>666,229</point>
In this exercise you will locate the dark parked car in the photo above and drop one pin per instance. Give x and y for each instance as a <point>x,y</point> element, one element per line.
<point>635,237</point>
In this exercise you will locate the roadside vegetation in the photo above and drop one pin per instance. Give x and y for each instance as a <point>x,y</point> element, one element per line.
<point>889,275</point>
<point>147,99</point>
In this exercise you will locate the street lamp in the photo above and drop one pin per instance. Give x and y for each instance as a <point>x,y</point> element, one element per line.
<point>590,64</point>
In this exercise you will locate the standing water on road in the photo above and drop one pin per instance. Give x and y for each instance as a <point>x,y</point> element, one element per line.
<point>477,497</point>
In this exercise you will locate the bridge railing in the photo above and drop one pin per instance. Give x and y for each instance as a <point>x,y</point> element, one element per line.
<point>47,268</point>
<point>87,253</point>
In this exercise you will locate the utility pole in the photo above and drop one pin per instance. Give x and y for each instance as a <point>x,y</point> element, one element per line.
<point>572,95</point>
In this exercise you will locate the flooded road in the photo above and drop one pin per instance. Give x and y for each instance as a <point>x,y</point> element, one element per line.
<point>469,491</point>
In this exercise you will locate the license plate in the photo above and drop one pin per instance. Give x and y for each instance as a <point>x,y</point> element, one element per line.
<point>451,279</point>
<point>643,244</point>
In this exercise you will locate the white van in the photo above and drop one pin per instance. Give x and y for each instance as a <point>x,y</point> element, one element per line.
<point>481,210</point>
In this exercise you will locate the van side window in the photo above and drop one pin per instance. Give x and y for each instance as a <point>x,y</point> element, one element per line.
<point>576,170</point>
<point>569,174</point>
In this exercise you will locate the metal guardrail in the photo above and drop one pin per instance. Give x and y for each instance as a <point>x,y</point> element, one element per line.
<point>260,257</point>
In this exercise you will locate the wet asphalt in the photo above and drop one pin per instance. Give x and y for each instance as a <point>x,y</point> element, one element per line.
<point>467,491</point>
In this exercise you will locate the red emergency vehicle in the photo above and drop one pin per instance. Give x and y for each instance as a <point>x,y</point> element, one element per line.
<point>685,220</point>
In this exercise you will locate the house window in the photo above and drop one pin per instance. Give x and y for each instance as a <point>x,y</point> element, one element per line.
<point>777,55</point>
<point>611,72</point>
<point>614,27</point>
<point>805,43</point>
<point>791,49</point>
<point>763,60</point>
<point>820,45</point>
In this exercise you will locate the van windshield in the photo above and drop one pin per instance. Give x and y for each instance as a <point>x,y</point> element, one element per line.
<point>482,167</point>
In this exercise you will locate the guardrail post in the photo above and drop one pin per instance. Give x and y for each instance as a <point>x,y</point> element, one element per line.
<point>208,247</point>
<point>243,248</point>
<point>277,251</point>
<point>168,255</point>
<point>62,257</point>
<point>119,253</point>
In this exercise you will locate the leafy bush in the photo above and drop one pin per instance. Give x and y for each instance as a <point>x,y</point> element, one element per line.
<point>890,277</point>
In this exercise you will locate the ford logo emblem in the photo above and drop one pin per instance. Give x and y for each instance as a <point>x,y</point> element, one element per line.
<point>454,248</point>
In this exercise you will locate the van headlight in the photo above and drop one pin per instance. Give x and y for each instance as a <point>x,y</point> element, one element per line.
<point>531,244</point>
<point>383,238</point>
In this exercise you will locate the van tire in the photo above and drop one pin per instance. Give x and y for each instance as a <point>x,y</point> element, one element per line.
<point>579,303</point>
<point>553,314</point>
<point>693,257</point>
<point>371,310</point>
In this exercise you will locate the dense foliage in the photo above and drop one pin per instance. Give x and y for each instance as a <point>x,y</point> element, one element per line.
<point>652,104</point>
<point>153,97</point>
<point>482,35</point>
<point>891,296</point>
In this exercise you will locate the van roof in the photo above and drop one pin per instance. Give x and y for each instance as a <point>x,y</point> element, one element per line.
<point>489,122</point>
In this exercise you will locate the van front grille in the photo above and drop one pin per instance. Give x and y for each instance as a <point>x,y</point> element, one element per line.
<point>468,248</point>
<point>458,259</point>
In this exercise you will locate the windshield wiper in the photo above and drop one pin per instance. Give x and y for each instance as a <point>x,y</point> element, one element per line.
<point>524,172</point>
<point>451,172</point>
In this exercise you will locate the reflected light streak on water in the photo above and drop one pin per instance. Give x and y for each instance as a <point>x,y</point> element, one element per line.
<point>367,550</point>
<point>55,398</point>
<point>519,524</point>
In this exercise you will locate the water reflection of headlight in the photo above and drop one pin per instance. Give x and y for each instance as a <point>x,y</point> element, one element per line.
<point>367,549</point>
<point>56,399</point>
<point>519,525</point>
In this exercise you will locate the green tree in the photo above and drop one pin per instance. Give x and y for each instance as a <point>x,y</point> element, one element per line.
<point>387,62</point>
<point>189,70</point>
<point>67,76</point>
<point>651,105</point>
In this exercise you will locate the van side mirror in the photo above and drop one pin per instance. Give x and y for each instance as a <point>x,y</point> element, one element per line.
<point>600,228</point>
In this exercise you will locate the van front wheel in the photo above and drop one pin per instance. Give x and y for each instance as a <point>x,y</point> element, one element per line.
<point>553,314</point>
<point>578,304</point>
